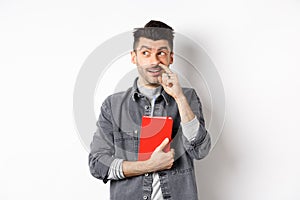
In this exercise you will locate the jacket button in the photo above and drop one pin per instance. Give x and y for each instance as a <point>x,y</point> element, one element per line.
<point>147,107</point>
<point>145,197</point>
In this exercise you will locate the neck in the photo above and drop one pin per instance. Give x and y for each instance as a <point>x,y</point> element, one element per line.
<point>147,85</point>
<point>150,93</point>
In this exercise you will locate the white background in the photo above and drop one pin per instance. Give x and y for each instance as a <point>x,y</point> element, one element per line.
<point>254,44</point>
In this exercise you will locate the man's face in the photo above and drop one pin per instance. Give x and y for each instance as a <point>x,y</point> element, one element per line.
<point>147,55</point>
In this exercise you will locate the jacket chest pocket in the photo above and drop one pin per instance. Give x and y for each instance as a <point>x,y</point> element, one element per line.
<point>126,145</point>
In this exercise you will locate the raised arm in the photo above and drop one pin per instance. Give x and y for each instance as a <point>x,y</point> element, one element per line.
<point>189,107</point>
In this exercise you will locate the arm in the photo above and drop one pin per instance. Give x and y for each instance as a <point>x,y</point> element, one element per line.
<point>200,145</point>
<point>158,161</point>
<point>185,111</point>
<point>188,107</point>
<point>170,83</point>
<point>102,148</point>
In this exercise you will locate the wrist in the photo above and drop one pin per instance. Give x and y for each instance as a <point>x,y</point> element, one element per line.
<point>147,164</point>
<point>180,98</point>
<point>135,168</point>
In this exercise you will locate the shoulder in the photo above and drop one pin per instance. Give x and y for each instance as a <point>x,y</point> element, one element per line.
<point>191,95</point>
<point>118,98</point>
<point>189,91</point>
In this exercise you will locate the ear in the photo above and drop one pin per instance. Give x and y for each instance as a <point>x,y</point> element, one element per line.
<point>133,57</point>
<point>171,58</point>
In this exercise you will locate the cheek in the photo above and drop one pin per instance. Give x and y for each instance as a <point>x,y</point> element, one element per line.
<point>142,61</point>
<point>141,70</point>
<point>165,61</point>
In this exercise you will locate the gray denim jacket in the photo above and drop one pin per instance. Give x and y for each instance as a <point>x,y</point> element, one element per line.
<point>117,136</point>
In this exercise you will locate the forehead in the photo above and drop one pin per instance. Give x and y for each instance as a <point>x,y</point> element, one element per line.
<point>153,44</point>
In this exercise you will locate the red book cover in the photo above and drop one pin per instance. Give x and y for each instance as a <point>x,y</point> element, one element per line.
<point>153,131</point>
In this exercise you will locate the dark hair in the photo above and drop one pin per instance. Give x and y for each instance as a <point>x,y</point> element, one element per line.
<point>154,30</point>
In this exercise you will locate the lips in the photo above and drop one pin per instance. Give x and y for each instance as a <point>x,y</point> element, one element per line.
<point>155,71</point>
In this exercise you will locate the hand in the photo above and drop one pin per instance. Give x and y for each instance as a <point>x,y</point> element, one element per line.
<point>161,160</point>
<point>170,82</point>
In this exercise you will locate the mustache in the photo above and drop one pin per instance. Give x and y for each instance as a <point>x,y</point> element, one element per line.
<point>151,66</point>
<point>155,67</point>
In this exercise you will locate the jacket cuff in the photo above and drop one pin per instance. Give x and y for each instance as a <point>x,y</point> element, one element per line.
<point>190,129</point>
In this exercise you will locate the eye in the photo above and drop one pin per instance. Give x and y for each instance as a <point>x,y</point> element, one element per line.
<point>146,53</point>
<point>161,53</point>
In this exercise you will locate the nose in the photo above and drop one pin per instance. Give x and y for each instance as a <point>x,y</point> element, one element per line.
<point>154,60</point>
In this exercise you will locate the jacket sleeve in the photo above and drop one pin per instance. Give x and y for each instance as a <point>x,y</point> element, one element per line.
<point>200,145</point>
<point>102,148</point>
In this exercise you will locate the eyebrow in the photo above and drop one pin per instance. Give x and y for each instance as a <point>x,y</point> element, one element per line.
<point>161,48</point>
<point>149,48</point>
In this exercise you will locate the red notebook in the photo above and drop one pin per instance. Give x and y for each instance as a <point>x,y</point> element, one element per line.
<point>153,131</point>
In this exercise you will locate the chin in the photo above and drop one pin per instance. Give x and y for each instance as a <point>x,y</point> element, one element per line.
<point>154,82</point>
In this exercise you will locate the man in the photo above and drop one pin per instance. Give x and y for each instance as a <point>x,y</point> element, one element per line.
<point>114,149</point>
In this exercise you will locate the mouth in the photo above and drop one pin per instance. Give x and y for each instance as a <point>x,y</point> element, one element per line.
<point>154,71</point>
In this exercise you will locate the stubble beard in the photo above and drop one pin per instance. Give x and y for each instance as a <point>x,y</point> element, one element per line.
<point>147,80</point>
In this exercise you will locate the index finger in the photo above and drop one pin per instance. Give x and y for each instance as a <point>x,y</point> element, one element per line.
<point>164,67</point>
